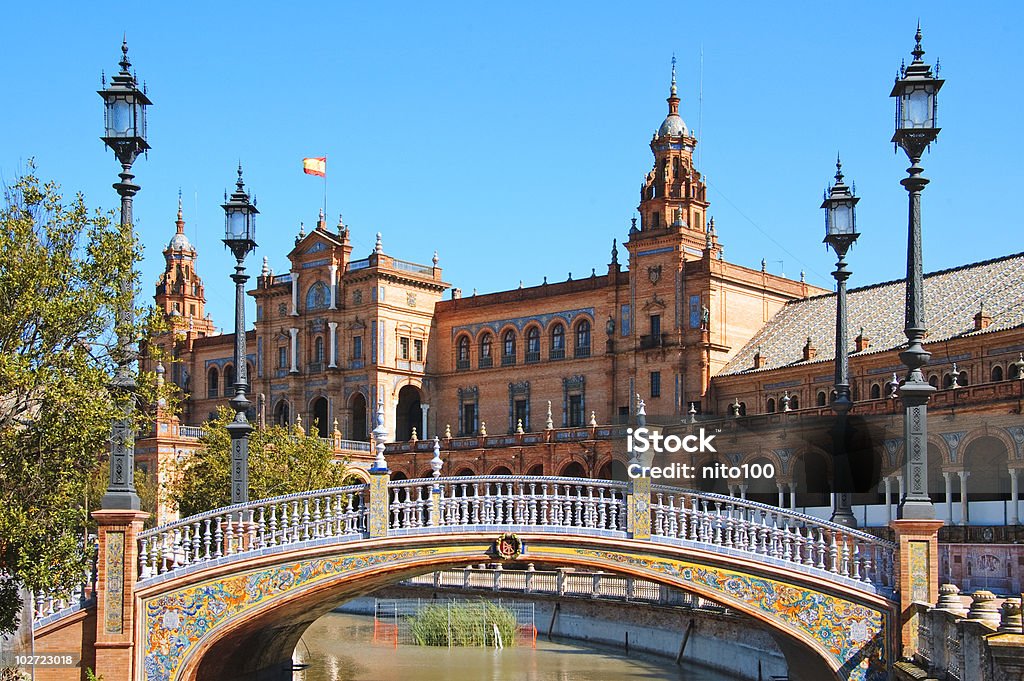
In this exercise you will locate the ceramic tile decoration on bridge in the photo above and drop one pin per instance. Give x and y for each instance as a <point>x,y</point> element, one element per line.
<point>824,585</point>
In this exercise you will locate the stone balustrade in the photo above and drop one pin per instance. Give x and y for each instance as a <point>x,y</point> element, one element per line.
<point>538,504</point>
<point>981,634</point>
<point>562,583</point>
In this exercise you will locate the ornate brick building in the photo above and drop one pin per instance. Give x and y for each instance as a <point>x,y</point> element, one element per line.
<point>541,379</point>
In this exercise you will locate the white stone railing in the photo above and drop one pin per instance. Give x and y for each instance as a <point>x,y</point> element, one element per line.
<point>196,432</point>
<point>48,606</point>
<point>506,500</point>
<point>243,528</point>
<point>777,533</point>
<point>726,525</point>
<point>572,583</point>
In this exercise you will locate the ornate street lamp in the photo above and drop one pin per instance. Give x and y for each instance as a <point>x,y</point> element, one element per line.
<point>840,233</point>
<point>915,91</point>
<point>240,237</point>
<point>124,116</point>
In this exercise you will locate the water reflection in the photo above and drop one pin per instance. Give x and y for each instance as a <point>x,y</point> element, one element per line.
<point>339,647</point>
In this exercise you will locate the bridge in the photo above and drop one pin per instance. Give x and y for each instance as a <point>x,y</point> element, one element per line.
<point>228,594</point>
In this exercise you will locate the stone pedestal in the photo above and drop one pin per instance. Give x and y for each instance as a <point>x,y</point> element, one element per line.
<point>916,572</point>
<point>117,572</point>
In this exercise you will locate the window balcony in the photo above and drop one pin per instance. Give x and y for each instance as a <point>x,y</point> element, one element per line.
<point>461,364</point>
<point>533,357</point>
<point>508,360</point>
<point>556,353</point>
<point>314,367</point>
<point>485,362</point>
<point>582,351</point>
<point>653,341</point>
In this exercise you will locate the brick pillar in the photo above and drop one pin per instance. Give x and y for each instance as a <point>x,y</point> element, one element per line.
<point>916,573</point>
<point>117,571</point>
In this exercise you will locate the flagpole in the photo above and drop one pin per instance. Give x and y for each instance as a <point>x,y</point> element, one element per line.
<point>325,191</point>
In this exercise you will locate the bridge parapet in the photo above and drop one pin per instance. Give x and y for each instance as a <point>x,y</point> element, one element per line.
<point>719,523</point>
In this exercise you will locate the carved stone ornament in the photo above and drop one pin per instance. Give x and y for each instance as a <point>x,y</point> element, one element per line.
<point>508,546</point>
<point>654,273</point>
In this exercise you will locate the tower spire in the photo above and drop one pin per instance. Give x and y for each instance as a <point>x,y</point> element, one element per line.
<point>180,222</point>
<point>673,98</point>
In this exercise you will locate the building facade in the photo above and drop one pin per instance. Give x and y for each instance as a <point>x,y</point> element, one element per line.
<point>543,379</point>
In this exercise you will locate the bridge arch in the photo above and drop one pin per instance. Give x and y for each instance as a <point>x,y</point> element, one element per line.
<point>285,570</point>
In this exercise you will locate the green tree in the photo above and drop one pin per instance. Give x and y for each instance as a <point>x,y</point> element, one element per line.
<point>281,461</point>
<point>60,265</point>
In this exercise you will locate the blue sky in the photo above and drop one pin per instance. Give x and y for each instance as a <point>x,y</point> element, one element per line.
<point>513,138</point>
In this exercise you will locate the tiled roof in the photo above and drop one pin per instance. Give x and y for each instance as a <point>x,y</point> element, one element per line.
<point>952,298</point>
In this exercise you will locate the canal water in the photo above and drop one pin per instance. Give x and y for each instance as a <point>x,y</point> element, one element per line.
<point>340,647</point>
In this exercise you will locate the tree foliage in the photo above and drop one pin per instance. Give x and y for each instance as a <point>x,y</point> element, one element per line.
<point>281,461</point>
<point>60,265</point>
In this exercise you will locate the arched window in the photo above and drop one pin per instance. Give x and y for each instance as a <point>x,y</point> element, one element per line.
<point>213,383</point>
<point>557,342</point>
<point>963,380</point>
<point>318,296</point>
<point>743,409</point>
<point>1014,372</point>
<point>770,406</point>
<point>508,348</point>
<point>281,416</point>
<point>229,379</point>
<point>318,350</point>
<point>822,398</point>
<point>583,339</point>
<point>462,353</point>
<point>933,381</point>
<point>533,344</point>
<point>486,358</point>
<point>876,391</point>
<point>947,381</point>
<point>997,373</point>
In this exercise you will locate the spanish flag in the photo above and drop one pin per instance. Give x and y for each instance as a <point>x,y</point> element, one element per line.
<point>315,166</point>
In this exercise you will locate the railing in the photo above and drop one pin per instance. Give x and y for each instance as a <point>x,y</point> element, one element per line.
<point>770,531</point>
<point>242,528</point>
<point>461,364</point>
<point>559,505</point>
<point>556,353</point>
<point>532,357</point>
<point>569,583</point>
<point>581,351</point>
<point>412,267</point>
<point>281,279</point>
<point>56,605</point>
<point>485,362</point>
<point>196,432</point>
<point>504,500</point>
<point>355,445</point>
<point>508,360</point>
<point>358,264</point>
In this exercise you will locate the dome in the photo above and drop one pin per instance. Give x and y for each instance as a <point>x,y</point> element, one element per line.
<point>179,242</point>
<point>673,125</point>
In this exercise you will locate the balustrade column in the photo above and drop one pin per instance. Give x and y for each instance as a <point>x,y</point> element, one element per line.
<point>334,284</point>
<point>948,487</point>
<point>886,484</point>
<point>964,513</point>
<point>333,343</point>
<point>295,295</point>
<point>1014,516</point>
<point>294,350</point>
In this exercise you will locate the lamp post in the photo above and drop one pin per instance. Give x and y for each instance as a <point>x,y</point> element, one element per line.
<point>240,237</point>
<point>915,91</point>
<point>840,234</point>
<point>124,116</point>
